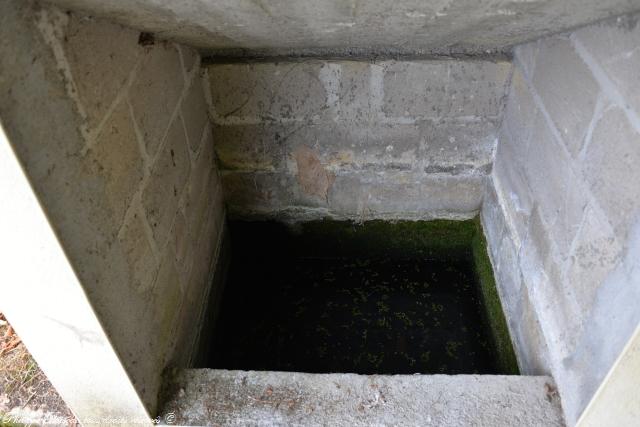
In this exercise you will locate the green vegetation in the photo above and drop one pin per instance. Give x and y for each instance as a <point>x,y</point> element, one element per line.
<point>385,238</point>
<point>494,316</point>
<point>7,421</point>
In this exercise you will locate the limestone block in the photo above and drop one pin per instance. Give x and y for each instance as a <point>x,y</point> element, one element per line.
<point>449,147</point>
<point>444,88</point>
<point>526,55</point>
<point>509,177</point>
<point>155,92</point>
<point>101,57</point>
<point>265,192</point>
<point>116,158</point>
<point>493,220</point>
<point>166,183</point>
<point>615,48</point>
<point>402,194</point>
<point>267,91</point>
<point>611,169</point>
<point>165,303</point>
<point>520,111</point>
<point>360,91</point>
<point>190,58</point>
<point>201,186</point>
<point>569,97</point>
<point>597,251</point>
<point>530,344</point>
<point>195,113</point>
<point>141,260</point>
<point>558,190</point>
<point>181,238</point>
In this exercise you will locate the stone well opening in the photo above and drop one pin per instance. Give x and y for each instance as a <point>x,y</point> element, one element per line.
<point>372,298</point>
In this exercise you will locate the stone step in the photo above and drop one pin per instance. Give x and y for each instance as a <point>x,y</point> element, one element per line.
<point>234,398</point>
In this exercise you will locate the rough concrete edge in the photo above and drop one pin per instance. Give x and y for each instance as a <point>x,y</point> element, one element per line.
<point>239,55</point>
<point>194,390</point>
<point>491,303</point>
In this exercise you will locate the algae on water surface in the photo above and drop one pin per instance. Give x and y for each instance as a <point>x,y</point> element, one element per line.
<point>372,298</point>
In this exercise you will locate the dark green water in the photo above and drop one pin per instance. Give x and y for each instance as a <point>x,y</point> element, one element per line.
<point>294,301</point>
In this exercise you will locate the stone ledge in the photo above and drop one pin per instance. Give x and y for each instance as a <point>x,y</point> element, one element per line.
<point>219,397</point>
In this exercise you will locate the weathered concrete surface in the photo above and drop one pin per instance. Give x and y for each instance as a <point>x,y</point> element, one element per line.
<point>390,139</point>
<point>562,212</point>
<point>227,398</point>
<point>616,401</point>
<point>344,28</point>
<point>114,139</point>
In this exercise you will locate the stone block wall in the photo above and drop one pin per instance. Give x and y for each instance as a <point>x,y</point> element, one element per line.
<point>358,140</point>
<point>562,213</point>
<point>113,133</point>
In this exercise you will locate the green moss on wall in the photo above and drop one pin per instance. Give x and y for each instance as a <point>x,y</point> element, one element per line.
<point>409,237</point>
<point>491,305</point>
<point>379,238</point>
